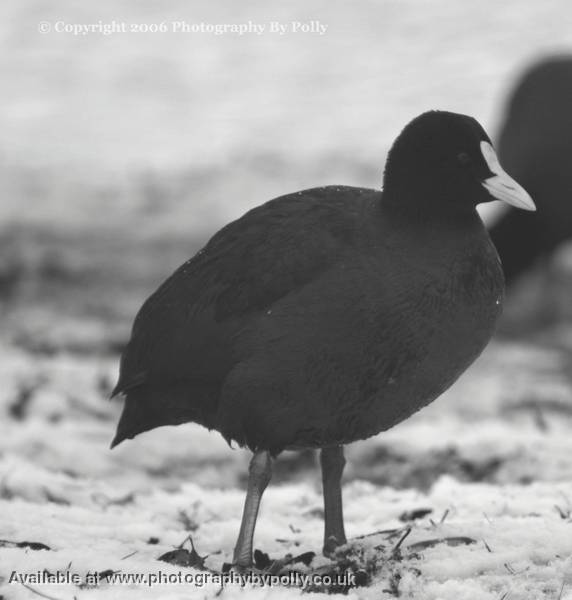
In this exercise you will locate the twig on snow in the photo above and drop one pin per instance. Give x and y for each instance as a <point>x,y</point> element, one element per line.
<point>395,551</point>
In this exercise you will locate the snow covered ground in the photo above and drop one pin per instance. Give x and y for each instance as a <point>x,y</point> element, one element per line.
<point>491,460</point>
<point>119,155</point>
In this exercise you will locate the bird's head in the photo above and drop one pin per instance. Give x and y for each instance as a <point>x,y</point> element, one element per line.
<point>445,162</point>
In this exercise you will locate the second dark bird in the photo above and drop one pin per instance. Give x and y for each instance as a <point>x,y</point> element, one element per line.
<point>535,147</point>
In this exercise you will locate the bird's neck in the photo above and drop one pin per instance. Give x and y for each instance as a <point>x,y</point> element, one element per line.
<point>406,212</point>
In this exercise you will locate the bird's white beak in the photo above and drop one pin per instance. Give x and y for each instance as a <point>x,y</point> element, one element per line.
<point>501,185</point>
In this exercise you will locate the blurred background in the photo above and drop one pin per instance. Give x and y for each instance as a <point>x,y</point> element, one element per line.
<point>121,154</point>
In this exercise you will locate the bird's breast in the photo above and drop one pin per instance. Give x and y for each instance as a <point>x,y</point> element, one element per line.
<point>444,323</point>
<point>372,342</point>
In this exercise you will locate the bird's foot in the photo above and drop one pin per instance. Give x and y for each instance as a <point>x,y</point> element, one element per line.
<point>262,563</point>
<point>247,561</point>
<point>331,544</point>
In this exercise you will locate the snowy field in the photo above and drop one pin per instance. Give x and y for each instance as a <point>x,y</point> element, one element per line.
<point>489,464</point>
<point>119,156</point>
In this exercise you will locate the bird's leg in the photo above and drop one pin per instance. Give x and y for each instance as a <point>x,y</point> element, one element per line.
<point>259,474</point>
<point>333,462</point>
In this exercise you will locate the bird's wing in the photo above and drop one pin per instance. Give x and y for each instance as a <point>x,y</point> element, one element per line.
<point>184,330</point>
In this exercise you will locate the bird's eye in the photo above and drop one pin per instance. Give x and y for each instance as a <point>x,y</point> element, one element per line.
<point>464,159</point>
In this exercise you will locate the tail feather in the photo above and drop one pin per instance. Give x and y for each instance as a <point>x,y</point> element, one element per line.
<point>152,405</point>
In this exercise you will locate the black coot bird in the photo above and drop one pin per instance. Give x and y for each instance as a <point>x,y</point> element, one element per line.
<point>328,315</point>
<point>535,146</point>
